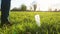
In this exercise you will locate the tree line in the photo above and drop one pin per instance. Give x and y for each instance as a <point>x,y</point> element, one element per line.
<point>24,8</point>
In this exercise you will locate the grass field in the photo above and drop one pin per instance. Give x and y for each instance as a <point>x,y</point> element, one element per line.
<point>24,22</point>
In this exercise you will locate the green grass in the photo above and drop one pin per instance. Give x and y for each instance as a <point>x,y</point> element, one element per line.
<point>24,22</point>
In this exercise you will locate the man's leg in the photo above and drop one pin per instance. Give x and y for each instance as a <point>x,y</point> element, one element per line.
<point>5,7</point>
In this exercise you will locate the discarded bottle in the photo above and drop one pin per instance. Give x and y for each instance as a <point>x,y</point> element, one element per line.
<point>37,19</point>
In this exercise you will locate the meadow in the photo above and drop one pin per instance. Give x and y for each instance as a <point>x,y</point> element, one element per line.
<point>24,23</point>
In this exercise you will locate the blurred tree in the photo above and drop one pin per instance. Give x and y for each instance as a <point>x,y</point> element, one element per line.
<point>55,10</point>
<point>35,6</point>
<point>15,9</point>
<point>23,7</point>
<point>49,9</point>
<point>59,10</point>
<point>30,8</point>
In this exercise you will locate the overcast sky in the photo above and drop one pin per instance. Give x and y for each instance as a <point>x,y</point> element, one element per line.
<point>42,4</point>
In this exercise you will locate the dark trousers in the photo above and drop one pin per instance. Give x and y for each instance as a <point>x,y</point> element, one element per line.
<point>5,7</point>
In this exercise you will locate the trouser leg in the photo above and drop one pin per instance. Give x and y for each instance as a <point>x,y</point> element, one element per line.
<point>5,7</point>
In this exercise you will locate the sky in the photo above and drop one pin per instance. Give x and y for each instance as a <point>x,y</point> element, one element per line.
<point>41,4</point>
